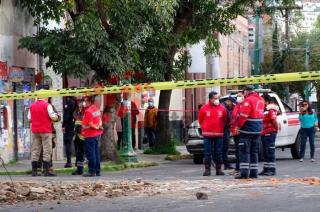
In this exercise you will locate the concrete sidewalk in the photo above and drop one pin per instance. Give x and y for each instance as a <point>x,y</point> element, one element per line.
<point>159,159</point>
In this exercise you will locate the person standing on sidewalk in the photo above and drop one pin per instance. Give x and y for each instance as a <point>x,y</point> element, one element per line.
<point>68,127</point>
<point>229,104</point>
<point>41,115</point>
<point>233,124</point>
<point>212,120</point>
<point>268,136</point>
<point>79,139</point>
<point>41,168</point>
<point>250,126</point>
<point>150,122</point>
<point>309,126</point>
<point>91,131</point>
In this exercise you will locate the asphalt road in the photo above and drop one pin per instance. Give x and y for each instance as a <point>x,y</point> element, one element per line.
<point>185,178</point>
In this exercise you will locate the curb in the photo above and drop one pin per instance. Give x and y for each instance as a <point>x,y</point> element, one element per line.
<point>106,167</point>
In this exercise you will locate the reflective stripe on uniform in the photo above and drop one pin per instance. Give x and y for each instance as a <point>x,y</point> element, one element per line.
<point>249,119</point>
<point>247,132</point>
<point>254,166</point>
<point>244,165</point>
<point>78,122</point>
<point>244,115</point>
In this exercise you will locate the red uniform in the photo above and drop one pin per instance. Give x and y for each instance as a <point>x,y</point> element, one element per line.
<point>251,114</point>
<point>40,120</point>
<point>134,112</point>
<point>234,117</point>
<point>269,116</point>
<point>212,120</point>
<point>91,114</point>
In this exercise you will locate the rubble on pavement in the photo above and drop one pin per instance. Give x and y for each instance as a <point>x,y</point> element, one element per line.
<point>31,191</point>
<point>51,191</point>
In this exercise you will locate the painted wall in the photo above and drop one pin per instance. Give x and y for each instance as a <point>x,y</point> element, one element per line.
<point>14,24</point>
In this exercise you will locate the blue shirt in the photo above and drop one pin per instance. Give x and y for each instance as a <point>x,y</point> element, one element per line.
<point>308,120</point>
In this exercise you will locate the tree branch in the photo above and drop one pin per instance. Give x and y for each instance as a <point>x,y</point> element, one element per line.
<point>104,19</point>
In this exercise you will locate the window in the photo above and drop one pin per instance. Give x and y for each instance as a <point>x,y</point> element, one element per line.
<point>287,108</point>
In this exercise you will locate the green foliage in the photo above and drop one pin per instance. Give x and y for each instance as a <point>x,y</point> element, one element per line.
<point>142,35</point>
<point>105,167</point>
<point>167,148</point>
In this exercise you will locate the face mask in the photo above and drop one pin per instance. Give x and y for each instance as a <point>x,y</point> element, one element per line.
<point>84,104</point>
<point>239,99</point>
<point>150,104</point>
<point>216,102</point>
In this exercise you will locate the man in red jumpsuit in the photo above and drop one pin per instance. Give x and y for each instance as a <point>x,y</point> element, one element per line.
<point>212,120</point>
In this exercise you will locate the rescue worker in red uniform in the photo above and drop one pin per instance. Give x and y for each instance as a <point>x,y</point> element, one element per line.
<point>41,115</point>
<point>212,120</point>
<point>91,131</point>
<point>268,136</point>
<point>249,125</point>
<point>233,122</point>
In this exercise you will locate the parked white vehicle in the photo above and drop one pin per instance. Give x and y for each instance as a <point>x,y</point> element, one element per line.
<point>288,135</point>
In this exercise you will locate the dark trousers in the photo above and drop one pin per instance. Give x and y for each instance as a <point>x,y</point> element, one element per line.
<point>217,144</point>
<point>226,141</point>
<point>133,134</point>
<point>67,139</point>
<point>119,141</point>
<point>249,148</point>
<point>93,154</point>
<point>151,135</point>
<point>79,148</point>
<point>236,143</point>
<point>269,152</point>
<point>305,134</point>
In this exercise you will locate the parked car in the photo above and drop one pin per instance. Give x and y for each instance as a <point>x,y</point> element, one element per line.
<point>288,135</point>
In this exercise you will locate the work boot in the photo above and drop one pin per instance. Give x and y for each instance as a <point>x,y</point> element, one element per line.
<point>207,166</point>
<point>243,174</point>
<point>79,171</point>
<point>47,172</point>
<point>219,169</point>
<point>264,171</point>
<point>89,174</point>
<point>228,167</point>
<point>68,165</point>
<point>253,174</point>
<point>34,165</point>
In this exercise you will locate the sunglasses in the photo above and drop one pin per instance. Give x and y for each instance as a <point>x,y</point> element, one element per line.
<point>305,104</point>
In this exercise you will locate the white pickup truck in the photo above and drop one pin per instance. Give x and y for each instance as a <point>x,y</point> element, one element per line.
<point>288,136</point>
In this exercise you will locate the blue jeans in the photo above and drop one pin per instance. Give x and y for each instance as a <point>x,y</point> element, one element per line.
<point>268,144</point>
<point>236,143</point>
<point>93,154</point>
<point>217,144</point>
<point>248,149</point>
<point>151,135</point>
<point>305,134</point>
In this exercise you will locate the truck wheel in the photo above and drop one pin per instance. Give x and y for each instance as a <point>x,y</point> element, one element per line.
<point>261,157</point>
<point>198,159</point>
<point>295,148</point>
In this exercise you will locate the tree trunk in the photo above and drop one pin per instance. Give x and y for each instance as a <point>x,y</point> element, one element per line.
<point>163,124</point>
<point>108,150</point>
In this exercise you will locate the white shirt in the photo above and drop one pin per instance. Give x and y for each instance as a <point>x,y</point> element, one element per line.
<point>50,110</point>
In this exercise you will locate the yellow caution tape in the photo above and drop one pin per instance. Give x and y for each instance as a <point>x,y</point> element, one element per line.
<point>260,79</point>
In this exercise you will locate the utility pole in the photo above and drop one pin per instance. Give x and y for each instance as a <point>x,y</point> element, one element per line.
<point>128,154</point>
<point>256,68</point>
<point>306,90</point>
